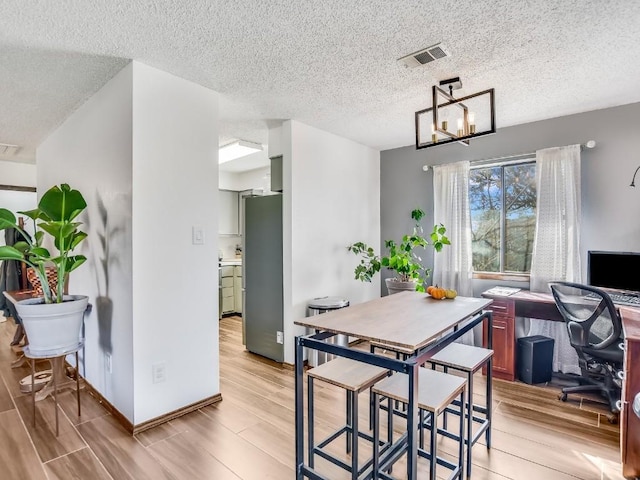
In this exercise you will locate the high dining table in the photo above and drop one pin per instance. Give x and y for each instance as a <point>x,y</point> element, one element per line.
<point>410,322</point>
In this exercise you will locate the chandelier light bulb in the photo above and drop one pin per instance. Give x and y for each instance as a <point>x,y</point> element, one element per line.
<point>444,114</point>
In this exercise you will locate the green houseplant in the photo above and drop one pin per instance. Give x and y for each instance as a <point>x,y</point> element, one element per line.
<point>55,217</point>
<point>401,258</point>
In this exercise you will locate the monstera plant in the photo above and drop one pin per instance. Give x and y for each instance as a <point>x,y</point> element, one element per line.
<point>55,216</point>
<point>57,235</point>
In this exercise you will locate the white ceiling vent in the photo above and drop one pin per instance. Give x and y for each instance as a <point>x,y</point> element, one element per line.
<point>422,57</point>
<point>7,149</point>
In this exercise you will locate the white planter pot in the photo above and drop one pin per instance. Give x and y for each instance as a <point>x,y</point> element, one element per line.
<point>53,326</point>
<point>395,286</point>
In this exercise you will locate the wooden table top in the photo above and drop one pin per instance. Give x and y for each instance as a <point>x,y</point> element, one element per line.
<point>405,320</point>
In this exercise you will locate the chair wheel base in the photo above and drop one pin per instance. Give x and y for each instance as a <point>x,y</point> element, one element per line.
<point>562,397</point>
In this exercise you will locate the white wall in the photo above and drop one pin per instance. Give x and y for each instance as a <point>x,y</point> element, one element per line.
<point>91,151</point>
<point>145,146</point>
<point>228,181</point>
<point>331,199</point>
<point>257,178</point>
<point>175,285</point>
<point>227,246</point>
<point>17,174</point>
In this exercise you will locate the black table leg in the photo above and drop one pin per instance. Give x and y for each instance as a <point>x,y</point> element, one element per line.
<point>412,423</point>
<point>299,410</point>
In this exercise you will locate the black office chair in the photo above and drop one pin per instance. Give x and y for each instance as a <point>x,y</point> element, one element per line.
<point>595,331</point>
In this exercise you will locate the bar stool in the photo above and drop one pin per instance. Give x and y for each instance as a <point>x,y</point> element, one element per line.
<point>57,367</point>
<point>354,377</point>
<point>468,359</point>
<point>436,391</point>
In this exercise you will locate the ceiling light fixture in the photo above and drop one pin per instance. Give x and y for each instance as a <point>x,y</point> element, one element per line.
<point>237,149</point>
<point>474,116</point>
<point>8,149</point>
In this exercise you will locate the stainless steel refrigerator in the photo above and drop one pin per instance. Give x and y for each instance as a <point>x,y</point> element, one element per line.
<point>262,276</point>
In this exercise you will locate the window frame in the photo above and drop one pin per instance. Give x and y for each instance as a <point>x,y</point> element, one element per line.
<point>502,275</point>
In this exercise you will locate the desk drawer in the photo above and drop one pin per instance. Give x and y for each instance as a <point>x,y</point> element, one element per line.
<point>502,306</point>
<point>503,333</point>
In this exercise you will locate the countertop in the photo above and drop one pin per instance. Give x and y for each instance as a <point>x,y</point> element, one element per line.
<point>229,261</point>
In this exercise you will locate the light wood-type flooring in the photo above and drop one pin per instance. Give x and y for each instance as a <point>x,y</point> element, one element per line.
<point>250,434</point>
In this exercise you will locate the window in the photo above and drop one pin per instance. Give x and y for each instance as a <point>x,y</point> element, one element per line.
<point>17,199</point>
<point>502,200</point>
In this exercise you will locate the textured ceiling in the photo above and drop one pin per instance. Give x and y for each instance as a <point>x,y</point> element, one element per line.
<point>330,64</point>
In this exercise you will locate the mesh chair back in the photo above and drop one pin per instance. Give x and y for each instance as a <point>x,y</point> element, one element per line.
<point>591,317</point>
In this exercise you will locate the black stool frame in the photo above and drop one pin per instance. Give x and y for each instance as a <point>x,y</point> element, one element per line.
<point>424,423</point>
<point>485,422</point>
<point>409,367</point>
<point>350,429</point>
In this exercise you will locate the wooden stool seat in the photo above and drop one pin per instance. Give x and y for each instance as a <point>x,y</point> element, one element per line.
<point>348,374</point>
<point>354,377</point>
<point>436,391</point>
<point>462,357</point>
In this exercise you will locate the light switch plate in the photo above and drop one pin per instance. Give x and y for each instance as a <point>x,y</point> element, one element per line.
<point>197,235</point>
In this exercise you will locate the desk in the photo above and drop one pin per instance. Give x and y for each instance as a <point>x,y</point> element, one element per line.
<point>521,304</point>
<point>411,322</point>
<point>542,305</point>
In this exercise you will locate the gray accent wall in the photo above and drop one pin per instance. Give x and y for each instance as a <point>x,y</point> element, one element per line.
<point>610,207</point>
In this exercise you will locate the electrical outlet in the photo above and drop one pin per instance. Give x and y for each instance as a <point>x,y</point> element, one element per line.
<point>280,337</point>
<point>108,362</point>
<point>159,372</point>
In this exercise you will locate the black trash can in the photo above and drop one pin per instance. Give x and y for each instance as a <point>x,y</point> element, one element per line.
<point>318,306</point>
<point>534,359</point>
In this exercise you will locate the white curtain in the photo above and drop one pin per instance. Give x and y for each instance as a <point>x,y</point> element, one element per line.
<point>453,266</point>
<point>556,247</point>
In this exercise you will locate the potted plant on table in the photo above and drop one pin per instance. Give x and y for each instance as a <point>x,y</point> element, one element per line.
<point>402,258</point>
<point>52,322</point>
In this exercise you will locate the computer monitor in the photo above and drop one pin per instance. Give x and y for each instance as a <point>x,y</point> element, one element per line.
<point>620,270</point>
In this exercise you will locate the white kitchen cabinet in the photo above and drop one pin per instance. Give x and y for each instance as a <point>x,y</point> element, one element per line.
<point>228,302</point>
<point>231,289</point>
<point>228,213</point>
<point>237,288</point>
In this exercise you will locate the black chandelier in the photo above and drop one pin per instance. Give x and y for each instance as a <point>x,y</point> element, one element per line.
<point>473,116</point>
